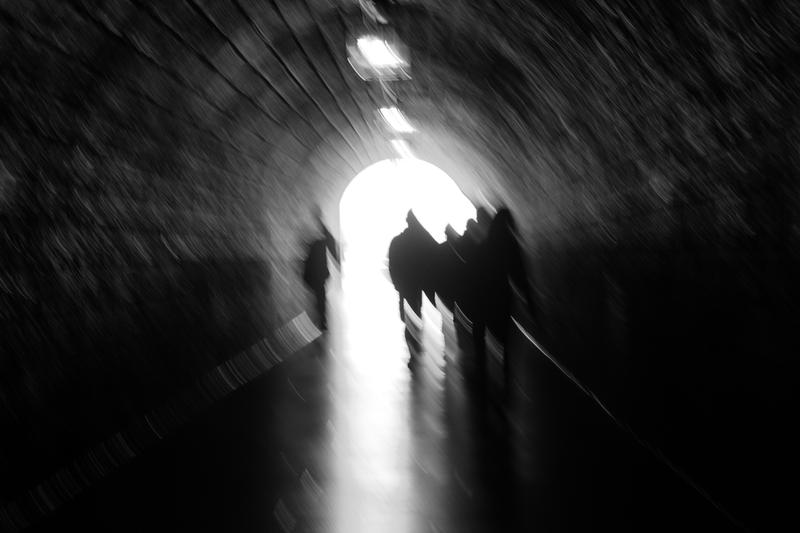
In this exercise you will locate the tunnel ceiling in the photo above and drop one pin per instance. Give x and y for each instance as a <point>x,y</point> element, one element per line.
<point>158,160</point>
<point>591,85</point>
<point>533,103</point>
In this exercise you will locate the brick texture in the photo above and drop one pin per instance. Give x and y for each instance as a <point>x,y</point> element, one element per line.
<point>158,162</point>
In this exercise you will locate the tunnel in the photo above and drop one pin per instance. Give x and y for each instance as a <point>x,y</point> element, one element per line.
<point>158,166</point>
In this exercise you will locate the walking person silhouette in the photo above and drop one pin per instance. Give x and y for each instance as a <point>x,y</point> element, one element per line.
<point>315,268</point>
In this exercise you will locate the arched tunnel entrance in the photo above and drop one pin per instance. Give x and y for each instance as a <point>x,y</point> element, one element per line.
<point>159,161</point>
<point>373,211</point>
<point>373,207</point>
<point>382,424</point>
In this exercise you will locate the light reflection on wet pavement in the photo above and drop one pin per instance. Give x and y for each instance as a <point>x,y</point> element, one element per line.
<point>343,437</point>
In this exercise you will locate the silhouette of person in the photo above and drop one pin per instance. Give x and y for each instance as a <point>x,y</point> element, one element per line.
<point>410,254</point>
<point>468,296</point>
<point>484,220</point>
<point>467,247</point>
<point>315,269</point>
<point>448,268</point>
<point>502,270</point>
<point>451,234</point>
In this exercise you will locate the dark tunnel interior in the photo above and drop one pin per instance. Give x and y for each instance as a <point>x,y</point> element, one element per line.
<point>158,160</point>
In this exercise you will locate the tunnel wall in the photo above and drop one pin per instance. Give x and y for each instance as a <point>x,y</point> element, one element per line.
<point>134,238</point>
<point>651,155</point>
<point>158,164</point>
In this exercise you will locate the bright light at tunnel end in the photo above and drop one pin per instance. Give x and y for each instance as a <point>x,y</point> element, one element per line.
<point>374,206</point>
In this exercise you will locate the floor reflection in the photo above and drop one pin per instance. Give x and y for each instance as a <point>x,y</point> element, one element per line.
<point>344,437</point>
<point>388,417</point>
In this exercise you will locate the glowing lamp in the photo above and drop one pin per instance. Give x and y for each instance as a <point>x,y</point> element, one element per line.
<point>378,53</point>
<point>396,120</point>
<point>379,56</point>
<point>402,148</point>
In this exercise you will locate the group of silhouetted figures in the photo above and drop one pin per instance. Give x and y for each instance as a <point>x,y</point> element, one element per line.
<point>481,272</point>
<point>479,276</point>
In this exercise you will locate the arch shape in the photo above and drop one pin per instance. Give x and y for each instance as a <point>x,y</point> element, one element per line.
<point>373,207</point>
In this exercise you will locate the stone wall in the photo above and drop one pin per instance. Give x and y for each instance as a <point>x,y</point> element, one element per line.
<point>134,239</point>
<point>158,162</point>
<point>651,159</point>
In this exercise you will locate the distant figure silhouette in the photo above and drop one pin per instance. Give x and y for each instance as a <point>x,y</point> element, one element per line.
<point>467,247</point>
<point>448,267</point>
<point>484,220</point>
<point>451,234</point>
<point>502,269</point>
<point>410,256</point>
<point>315,267</point>
<point>468,295</point>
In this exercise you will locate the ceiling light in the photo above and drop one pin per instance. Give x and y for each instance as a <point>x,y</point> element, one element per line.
<point>369,9</point>
<point>379,53</point>
<point>395,118</point>
<point>402,148</point>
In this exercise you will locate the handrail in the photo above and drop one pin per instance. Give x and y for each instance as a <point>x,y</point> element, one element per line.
<point>648,446</point>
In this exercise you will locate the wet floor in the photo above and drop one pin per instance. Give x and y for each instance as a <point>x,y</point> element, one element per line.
<point>345,437</point>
